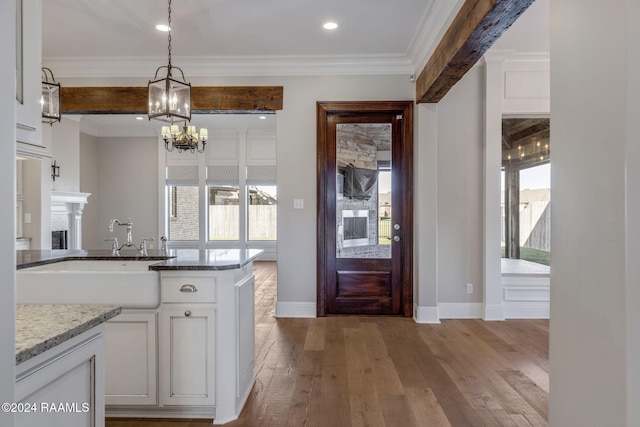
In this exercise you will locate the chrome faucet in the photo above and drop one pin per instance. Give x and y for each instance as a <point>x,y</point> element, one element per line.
<point>115,249</point>
<point>143,246</point>
<point>129,226</point>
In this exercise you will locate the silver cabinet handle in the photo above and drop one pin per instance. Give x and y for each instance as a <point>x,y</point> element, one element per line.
<point>396,227</point>
<point>396,238</point>
<point>187,313</point>
<point>188,288</point>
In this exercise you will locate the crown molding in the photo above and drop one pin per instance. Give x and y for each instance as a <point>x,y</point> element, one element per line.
<point>225,66</point>
<point>511,55</point>
<point>434,24</point>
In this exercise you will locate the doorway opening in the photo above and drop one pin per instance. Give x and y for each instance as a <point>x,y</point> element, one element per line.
<point>365,221</point>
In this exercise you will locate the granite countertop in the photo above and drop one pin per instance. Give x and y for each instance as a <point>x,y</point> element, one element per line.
<point>40,327</point>
<point>174,259</point>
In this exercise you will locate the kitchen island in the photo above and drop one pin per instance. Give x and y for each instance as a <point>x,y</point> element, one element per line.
<point>60,364</point>
<point>187,351</point>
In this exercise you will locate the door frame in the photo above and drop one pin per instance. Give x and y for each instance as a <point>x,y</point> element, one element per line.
<point>324,109</point>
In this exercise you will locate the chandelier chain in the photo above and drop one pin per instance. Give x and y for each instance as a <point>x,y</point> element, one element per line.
<point>169,37</point>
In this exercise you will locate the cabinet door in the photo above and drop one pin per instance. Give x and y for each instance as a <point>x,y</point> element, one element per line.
<point>130,359</point>
<point>188,356</point>
<point>64,386</point>
<point>29,74</point>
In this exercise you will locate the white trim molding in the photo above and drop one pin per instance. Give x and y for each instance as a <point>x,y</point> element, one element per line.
<point>295,309</point>
<point>526,296</point>
<point>426,314</point>
<point>493,312</point>
<point>70,204</point>
<point>221,66</point>
<point>456,310</point>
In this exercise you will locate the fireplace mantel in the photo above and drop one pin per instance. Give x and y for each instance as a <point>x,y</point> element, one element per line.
<point>69,205</point>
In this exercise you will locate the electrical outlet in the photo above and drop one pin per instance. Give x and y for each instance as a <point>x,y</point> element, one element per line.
<point>469,288</point>
<point>298,203</point>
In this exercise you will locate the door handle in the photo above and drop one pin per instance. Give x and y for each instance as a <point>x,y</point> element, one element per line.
<point>396,227</point>
<point>396,238</point>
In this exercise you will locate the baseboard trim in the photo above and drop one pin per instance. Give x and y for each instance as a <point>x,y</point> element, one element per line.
<point>455,310</point>
<point>426,314</point>
<point>527,311</point>
<point>295,309</point>
<point>493,312</point>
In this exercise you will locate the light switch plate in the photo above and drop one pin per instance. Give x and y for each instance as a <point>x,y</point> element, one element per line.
<point>298,203</point>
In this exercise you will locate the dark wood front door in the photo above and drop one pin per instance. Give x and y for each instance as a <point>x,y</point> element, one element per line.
<point>365,203</point>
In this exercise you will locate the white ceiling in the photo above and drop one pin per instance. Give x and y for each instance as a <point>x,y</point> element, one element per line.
<point>117,38</point>
<point>230,27</point>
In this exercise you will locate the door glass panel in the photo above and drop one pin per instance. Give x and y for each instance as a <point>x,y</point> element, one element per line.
<point>363,190</point>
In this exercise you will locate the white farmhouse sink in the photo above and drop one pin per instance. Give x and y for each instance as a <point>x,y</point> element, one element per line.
<point>127,283</point>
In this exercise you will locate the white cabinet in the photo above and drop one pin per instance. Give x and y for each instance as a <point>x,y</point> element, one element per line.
<point>188,351</point>
<point>187,341</point>
<point>64,386</point>
<point>131,358</point>
<point>29,78</point>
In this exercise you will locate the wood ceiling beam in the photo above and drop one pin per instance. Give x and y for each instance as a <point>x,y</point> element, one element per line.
<point>204,99</point>
<point>478,24</point>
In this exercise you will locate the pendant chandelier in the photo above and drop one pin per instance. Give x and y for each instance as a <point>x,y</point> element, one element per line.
<point>170,101</point>
<point>50,98</point>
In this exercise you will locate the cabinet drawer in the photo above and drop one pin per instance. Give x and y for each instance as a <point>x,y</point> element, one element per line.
<point>189,289</point>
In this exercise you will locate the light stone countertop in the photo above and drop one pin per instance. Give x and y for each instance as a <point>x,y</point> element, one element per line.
<point>40,327</point>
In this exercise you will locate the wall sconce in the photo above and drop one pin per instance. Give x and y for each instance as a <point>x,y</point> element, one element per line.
<point>55,171</point>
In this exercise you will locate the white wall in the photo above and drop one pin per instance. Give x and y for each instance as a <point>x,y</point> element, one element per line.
<point>65,147</point>
<point>36,188</point>
<point>89,184</point>
<point>460,177</point>
<point>426,214</point>
<point>632,214</point>
<point>127,188</point>
<point>296,157</point>
<point>594,341</point>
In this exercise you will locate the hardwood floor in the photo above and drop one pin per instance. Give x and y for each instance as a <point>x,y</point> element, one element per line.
<point>389,371</point>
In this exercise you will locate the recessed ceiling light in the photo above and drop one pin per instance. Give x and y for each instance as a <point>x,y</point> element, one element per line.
<point>330,26</point>
<point>263,117</point>
<point>162,27</point>
<point>139,118</point>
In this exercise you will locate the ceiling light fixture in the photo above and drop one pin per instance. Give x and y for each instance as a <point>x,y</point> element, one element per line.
<point>330,26</point>
<point>50,98</point>
<point>170,101</point>
<point>162,27</point>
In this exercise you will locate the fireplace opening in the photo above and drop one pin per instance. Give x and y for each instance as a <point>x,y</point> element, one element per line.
<point>355,226</point>
<point>59,239</point>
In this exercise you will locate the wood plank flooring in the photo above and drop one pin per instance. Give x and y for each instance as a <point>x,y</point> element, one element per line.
<point>388,371</point>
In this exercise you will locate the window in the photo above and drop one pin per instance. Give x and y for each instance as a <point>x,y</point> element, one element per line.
<point>184,215</point>
<point>526,190</point>
<point>183,203</point>
<point>224,213</point>
<point>226,198</point>
<point>263,212</point>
